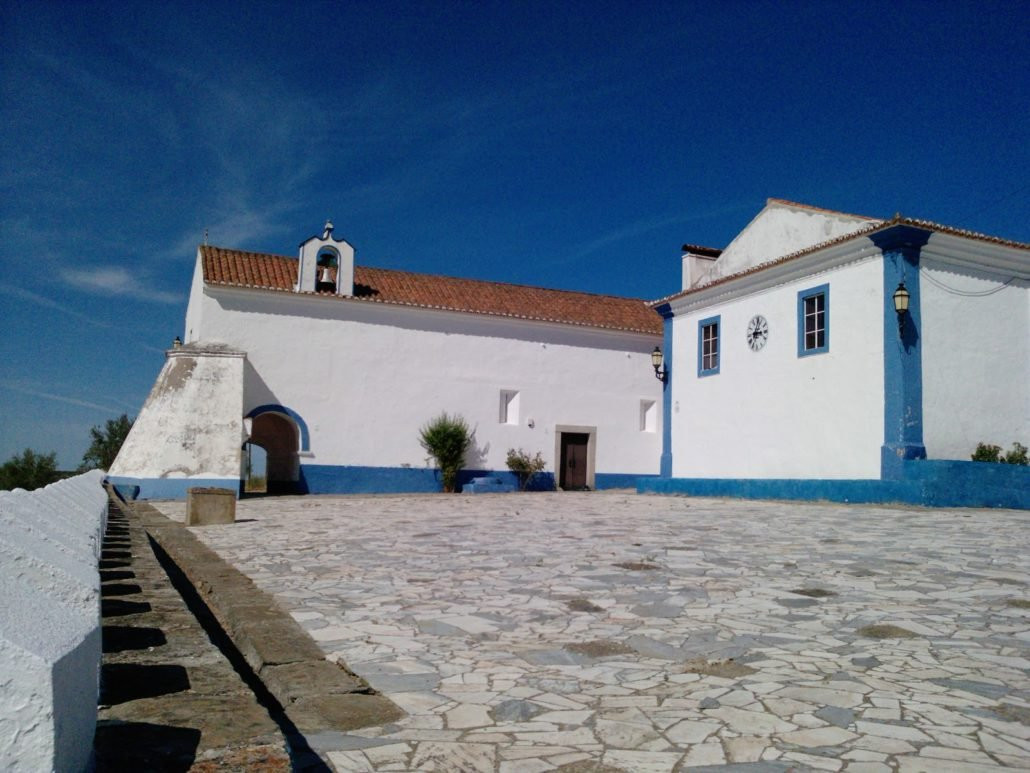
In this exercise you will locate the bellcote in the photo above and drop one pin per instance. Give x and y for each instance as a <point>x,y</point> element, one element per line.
<point>326,264</point>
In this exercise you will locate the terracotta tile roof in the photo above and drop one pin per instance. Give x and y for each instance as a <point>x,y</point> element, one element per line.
<point>380,285</point>
<point>898,219</point>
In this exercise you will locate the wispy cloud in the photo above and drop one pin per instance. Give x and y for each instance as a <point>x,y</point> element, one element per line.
<point>646,225</point>
<point>57,398</point>
<point>115,280</point>
<point>48,303</point>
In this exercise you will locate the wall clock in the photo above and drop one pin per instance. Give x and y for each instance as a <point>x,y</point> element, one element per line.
<point>757,332</point>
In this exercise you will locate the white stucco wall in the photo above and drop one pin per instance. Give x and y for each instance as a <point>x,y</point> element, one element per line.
<point>191,425</point>
<point>50,646</point>
<point>194,307</point>
<point>781,229</point>
<point>772,414</point>
<point>366,376</point>
<point>976,359</point>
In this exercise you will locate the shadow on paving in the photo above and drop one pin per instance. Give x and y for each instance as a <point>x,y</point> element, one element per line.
<point>145,746</point>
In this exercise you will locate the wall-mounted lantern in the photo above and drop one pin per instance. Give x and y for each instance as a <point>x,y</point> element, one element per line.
<point>177,343</point>
<point>660,373</point>
<point>901,298</point>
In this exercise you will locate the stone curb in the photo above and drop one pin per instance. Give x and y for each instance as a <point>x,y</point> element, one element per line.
<point>318,696</point>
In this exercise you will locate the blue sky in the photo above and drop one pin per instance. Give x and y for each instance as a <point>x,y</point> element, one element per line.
<point>571,145</point>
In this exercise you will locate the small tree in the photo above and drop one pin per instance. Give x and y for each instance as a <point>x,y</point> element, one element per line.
<point>29,471</point>
<point>985,452</point>
<point>107,442</point>
<point>1018,455</point>
<point>524,466</point>
<point>446,439</point>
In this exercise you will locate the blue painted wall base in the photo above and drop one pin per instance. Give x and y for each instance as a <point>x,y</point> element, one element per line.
<point>167,488</point>
<point>607,480</point>
<point>339,479</point>
<point>933,483</point>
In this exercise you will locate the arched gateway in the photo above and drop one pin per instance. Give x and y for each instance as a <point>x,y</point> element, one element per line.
<point>282,433</point>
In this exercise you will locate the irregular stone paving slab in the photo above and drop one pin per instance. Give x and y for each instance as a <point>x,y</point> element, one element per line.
<point>461,611</point>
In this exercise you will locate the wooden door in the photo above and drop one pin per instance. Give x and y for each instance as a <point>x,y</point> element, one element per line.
<point>574,460</point>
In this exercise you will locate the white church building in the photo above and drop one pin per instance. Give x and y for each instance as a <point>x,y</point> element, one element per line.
<point>332,368</point>
<point>819,355</point>
<point>823,355</point>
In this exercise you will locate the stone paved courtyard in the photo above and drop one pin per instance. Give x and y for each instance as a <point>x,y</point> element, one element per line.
<point>609,631</point>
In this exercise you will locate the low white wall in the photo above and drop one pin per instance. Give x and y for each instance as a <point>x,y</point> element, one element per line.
<point>976,359</point>
<point>50,648</point>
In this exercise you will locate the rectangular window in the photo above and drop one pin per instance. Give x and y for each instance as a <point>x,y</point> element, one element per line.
<point>708,346</point>
<point>814,320</point>
<point>509,406</point>
<point>648,415</point>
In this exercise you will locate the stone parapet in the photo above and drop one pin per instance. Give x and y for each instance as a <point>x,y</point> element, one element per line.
<point>50,545</point>
<point>323,700</point>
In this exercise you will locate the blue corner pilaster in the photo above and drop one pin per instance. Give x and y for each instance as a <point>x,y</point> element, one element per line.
<point>666,463</point>
<point>902,350</point>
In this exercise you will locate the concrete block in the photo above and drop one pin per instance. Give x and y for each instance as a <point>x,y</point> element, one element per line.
<point>210,506</point>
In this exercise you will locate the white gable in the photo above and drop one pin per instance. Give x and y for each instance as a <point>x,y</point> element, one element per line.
<point>781,228</point>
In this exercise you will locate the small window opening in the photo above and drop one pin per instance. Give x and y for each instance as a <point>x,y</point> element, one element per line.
<point>708,346</point>
<point>509,406</point>
<point>648,416</point>
<point>814,320</point>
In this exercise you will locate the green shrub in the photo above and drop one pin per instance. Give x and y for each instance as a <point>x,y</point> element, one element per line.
<point>985,452</point>
<point>446,439</point>
<point>524,466</point>
<point>1017,455</point>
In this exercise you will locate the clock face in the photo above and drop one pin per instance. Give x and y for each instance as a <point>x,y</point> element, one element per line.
<point>757,332</point>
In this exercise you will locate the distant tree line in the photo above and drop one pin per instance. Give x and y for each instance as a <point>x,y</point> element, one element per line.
<point>31,470</point>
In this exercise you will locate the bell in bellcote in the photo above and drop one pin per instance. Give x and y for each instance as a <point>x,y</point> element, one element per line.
<point>325,281</point>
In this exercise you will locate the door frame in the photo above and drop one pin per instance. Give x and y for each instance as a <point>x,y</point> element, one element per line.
<point>591,433</point>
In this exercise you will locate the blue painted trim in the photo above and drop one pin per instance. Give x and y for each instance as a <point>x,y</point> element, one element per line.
<point>803,295</point>
<point>337,479</point>
<point>831,490</point>
<point>305,436</point>
<point>168,488</point>
<point>701,325</point>
<point>607,480</point>
<point>920,482</point>
<point>347,479</point>
<point>902,352</point>
<point>666,459</point>
<point>356,479</point>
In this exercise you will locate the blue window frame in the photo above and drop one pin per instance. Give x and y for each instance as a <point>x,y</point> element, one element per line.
<point>814,320</point>
<point>708,346</point>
